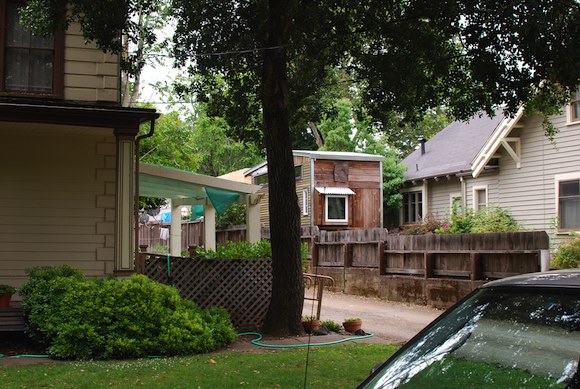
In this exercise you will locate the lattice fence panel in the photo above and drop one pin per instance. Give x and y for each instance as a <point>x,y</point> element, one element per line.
<point>242,287</point>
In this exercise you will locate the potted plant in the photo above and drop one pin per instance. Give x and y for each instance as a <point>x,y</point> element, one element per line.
<point>6,292</point>
<point>310,323</point>
<point>352,324</point>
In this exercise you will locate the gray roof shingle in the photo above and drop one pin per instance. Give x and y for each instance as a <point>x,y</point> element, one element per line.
<point>452,150</point>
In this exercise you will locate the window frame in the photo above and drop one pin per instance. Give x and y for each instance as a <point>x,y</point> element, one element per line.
<point>58,60</point>
<point>346,205</point>
<point>475,190</point>
<point>418,217</point>
<point>559,178</point>
<point>305,202</point>
<point>571,118</point>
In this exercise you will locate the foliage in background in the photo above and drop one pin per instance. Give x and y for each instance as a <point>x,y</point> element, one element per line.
<point>245,250</point>
<point>77,317</point>
<point>488,219</point>
<point>428,226</point>
<point>567,254</point>
<point>460,221</point>
<point>235,215</point>
<point>494,219</point>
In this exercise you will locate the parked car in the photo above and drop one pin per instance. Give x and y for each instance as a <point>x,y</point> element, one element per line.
<point>518,332</point>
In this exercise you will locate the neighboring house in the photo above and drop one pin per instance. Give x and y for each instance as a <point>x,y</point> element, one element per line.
<point>505,162</point>
<point>67,166</point>
<point>336,190</point>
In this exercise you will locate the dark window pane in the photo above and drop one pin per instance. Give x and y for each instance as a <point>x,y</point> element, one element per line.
<point>336,208</point>
<point>570,188</point>
<point>16,69</point>
<point>16,34</point>
<point>41,71</point>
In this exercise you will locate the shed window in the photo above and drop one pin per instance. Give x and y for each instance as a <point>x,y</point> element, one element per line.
<point>304,202</point>
<point>336,208</point>
<point>569,204</point>
<point>32,64</point>
<point>412,207</point>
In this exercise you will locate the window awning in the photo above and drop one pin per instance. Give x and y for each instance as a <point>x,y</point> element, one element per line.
<point>334,190</point>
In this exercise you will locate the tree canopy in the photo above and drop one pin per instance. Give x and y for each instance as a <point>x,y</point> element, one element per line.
<point>407,56</point>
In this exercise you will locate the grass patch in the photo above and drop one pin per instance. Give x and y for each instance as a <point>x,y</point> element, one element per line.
<point>339,366</point>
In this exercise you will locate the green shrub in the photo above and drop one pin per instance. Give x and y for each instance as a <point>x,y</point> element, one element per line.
<point>81,318</point>
<point>429,225</point>
<point>567,255</point>
<point>494,219</point>
<point>331,325</point>
<point>246,250</point>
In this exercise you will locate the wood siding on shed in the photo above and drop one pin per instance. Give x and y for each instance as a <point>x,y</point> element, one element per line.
<point>57,195</point>
<point>89,74</point>
<point>363,177</point>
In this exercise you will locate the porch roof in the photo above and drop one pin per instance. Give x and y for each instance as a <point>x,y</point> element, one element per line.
<point>165,182</point>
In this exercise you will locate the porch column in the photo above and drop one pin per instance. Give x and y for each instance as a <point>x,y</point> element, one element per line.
<point>175,236</point>
<point>124,197</point>
<point>209,242</point>
<point>253,233</point>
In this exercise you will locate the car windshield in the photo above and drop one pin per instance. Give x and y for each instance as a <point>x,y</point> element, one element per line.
<point>496,338</point>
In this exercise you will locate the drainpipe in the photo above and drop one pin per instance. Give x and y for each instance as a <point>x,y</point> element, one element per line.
<point>136,206</point>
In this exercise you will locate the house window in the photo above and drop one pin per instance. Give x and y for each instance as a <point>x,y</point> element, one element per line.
<point>336,208</point>
<point>305,202</point>
<point>412,207</point>
<point>479,198</point>
<point>575,107</point>
<point>569,203</point>
<point>30,64</point>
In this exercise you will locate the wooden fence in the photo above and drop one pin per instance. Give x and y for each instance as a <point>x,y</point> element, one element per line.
<point>470,256</point>
<point>349,248</point>
<point>242,287</point>
<point>192,234</point>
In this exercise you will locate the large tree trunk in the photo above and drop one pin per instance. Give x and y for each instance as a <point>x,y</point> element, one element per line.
<point>285,311</point>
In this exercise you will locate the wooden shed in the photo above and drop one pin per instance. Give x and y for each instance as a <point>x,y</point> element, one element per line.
<point>336,190</point>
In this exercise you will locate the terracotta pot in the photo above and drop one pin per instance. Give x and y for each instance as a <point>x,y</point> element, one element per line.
<point>352,326</point>
<point>5,300</point>
<point>311,326</point>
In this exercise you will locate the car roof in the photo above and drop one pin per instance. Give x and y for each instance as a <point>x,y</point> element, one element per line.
<point>567,278</point>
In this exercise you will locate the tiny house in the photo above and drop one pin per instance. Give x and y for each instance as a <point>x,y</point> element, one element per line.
<point>336,190</point>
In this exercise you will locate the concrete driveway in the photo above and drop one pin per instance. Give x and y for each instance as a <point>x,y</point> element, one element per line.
<point>391,321</point>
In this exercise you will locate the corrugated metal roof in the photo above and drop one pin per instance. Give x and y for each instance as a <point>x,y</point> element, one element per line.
<point>334,190</point>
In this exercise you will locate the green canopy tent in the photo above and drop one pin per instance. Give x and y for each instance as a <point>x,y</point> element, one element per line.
<point>185,188</point>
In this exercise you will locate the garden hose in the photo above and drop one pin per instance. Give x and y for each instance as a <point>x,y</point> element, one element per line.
<point>257,342</point>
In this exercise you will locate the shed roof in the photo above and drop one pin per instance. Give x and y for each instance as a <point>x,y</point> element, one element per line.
<point>452,150</point>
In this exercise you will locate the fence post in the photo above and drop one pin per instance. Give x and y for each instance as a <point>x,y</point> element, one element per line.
<point>347,254</point>
<point>314,253</point>
<point>140,265</point>
<point>429,264</point>
<point>476,266</point>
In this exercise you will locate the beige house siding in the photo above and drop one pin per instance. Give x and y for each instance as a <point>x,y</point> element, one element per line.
<point>89,74</point>
<point>489,182</point>
<point>439,197</point>
<point>49,218</point>
<point>529,192</point>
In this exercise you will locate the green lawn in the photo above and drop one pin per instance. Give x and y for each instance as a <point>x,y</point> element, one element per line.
<point>338,366</point>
